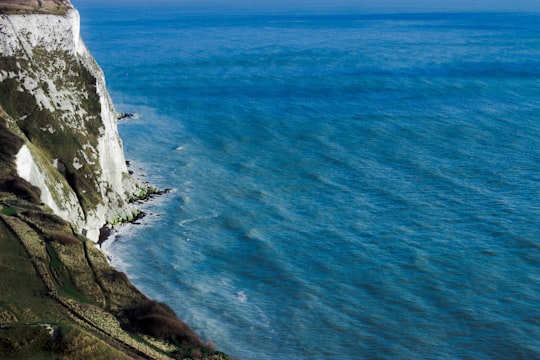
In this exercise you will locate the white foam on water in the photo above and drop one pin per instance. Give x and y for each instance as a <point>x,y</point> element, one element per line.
<point>213,215</point>
<point>241,296</point>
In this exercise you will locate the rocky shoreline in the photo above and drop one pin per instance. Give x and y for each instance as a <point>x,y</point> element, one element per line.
<point>147,194</point>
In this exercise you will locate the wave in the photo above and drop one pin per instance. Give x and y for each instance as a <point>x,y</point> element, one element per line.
<point>213,215</point>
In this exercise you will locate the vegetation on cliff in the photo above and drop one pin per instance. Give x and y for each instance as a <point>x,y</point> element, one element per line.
<point>34,6</point>
<point>45,129</point>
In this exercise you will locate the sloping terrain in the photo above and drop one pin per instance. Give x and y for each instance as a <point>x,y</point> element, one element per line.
<point>33,6</point>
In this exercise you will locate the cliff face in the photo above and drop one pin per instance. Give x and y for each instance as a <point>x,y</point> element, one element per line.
<point>53,96</point>
<point>60,150</point>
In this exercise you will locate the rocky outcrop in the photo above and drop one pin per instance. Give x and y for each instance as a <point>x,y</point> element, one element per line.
<point>53,96</point>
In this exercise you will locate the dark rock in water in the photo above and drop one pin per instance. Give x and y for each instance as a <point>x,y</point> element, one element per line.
<point>122,116</point>
<point>138,217</point>
<point>104,234</point>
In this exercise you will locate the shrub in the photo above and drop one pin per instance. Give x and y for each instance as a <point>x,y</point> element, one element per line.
<point>50,220</point>
<point>24,189</point>
<point>159,320</point>
<point>117,276</point>
<point>196,354</point>
<point>63,239</point>
<point>10,143</point>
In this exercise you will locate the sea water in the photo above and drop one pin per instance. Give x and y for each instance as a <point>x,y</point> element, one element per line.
<point>344,185</point>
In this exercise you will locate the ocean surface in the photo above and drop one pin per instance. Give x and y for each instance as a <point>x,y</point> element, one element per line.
<point>344,185</point>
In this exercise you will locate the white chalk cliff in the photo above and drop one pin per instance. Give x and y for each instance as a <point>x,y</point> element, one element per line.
<point>54,95</point>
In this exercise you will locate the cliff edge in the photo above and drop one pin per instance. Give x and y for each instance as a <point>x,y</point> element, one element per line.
<point>62,177</point>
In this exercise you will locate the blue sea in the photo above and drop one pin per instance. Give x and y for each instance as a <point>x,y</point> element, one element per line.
<point>344,185</point>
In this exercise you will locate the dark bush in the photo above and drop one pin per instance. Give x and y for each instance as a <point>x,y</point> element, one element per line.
<point>24,190</point>
<point>45,218</point>
<point>10,144</point>
<point>159,320</point>
<point>63,239</point>
<point>117,276</point>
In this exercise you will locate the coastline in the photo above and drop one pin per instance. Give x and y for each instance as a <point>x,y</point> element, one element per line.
<point>54,200</point>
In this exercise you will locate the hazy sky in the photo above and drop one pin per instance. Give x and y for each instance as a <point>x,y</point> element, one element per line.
<point>361,5</point>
